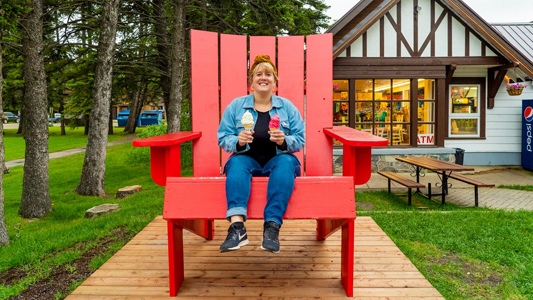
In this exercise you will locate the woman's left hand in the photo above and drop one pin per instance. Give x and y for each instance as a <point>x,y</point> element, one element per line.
<point>277,136</point>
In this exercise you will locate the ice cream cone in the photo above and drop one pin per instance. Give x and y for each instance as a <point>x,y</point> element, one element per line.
<point>247,121</point>
<point>274,123</point>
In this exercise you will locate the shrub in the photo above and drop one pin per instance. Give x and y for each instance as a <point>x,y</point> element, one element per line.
<point>141,155</point>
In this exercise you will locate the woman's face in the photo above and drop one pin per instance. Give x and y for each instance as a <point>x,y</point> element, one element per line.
<point>263,80</point>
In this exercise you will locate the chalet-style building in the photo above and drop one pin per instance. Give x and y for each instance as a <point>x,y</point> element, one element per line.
<point>431,76</point>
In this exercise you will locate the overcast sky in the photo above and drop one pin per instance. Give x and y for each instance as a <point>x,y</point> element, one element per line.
<point>493,11</point>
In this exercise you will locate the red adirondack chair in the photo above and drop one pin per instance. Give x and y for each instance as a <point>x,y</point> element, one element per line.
<point>219,74</point>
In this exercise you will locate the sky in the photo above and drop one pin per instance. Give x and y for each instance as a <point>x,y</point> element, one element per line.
<point>493,11</point>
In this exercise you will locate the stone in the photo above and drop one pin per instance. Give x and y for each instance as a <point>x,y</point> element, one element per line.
<point>99,210</point>
<point>128,190</point>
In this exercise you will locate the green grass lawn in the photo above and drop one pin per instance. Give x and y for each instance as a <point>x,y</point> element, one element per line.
<point>466,253</point>
<point>74,138</point>
<point>65,235</point>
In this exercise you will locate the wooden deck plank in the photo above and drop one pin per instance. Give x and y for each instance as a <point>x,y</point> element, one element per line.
<point>305,268</point>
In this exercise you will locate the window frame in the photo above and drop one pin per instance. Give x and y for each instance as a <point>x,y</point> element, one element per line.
<point>482,107</point>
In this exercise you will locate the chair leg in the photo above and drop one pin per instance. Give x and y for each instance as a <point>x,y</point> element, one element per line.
<point>347,257</point>
<point>176,274</point>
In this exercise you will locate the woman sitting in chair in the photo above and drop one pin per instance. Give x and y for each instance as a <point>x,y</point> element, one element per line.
<point>260,151</point>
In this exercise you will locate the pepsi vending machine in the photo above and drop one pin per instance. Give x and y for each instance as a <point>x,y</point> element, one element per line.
<point>527,135</point>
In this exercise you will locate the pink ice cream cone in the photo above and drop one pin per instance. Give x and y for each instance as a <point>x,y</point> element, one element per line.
<point>274,123</point>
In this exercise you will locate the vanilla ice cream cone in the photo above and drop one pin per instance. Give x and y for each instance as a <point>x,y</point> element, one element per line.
<point>247,121</point>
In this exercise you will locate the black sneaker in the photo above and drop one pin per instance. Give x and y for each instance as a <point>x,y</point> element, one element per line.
<point>236,238</point>
<point>270,237</point>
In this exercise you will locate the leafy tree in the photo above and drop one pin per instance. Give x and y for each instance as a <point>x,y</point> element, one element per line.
<point>13,86</point>
<point>136,72</point>
<point>151,55</point>
<point>78,40</point>
<point>261,17</point>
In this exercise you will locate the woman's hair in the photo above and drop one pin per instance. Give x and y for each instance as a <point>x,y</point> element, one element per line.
<point>265,62</point>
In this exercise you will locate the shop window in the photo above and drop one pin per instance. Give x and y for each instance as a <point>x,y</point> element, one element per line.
<point>464,110</point>
<point>341,104</point>
<point>395,109</point>
<point>426,112</point>
<point>383,109</point>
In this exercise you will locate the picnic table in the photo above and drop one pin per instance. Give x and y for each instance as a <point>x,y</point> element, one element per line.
<point>445,170</point>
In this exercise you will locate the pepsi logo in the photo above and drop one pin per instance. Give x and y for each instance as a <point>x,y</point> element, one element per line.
<point>528,114</point>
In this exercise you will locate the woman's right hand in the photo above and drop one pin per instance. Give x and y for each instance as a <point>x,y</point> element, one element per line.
<point>245,137</point>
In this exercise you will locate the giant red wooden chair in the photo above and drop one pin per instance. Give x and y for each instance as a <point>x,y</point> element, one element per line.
<point>219,66</point>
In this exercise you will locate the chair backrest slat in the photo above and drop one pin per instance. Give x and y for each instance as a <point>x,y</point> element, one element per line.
<point>205,102</point>
<point>263,45</point>
<point>291,73</point>
<point>233,71</point>
<point>290,53</point>
<point>319,104</point>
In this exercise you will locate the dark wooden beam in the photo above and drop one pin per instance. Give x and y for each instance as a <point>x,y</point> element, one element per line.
<point>418,61</point>
<point>506,66</point>
<point>449,73</point>
<point>496,75</point>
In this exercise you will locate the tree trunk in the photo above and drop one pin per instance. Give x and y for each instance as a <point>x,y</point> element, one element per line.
<point>20,129</point>
<point>35,201</point>
<point>86,124</point>
<point>135,109</point>
<point>93,172</point>
<point>176,67</point>
<point>62,120</point>
<point>4,237</point>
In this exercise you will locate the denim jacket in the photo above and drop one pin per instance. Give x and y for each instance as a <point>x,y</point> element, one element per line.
<point>291,123</point>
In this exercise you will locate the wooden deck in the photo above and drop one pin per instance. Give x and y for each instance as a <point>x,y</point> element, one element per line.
<point>305,268</point>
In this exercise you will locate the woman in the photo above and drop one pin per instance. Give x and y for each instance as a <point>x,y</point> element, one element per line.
<point>260,152</point>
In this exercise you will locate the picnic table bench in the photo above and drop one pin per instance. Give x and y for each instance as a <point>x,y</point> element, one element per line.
<point>476,183</point>
<point>219,74</point>
<point>408,183</point>
<point>446,170</point>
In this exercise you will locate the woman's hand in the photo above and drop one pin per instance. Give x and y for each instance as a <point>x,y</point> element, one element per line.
<point>277,136</point>
<point>245,137</point>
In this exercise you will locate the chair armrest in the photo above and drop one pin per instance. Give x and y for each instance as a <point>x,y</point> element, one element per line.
<point>165,153</point>
<point>356,151</point>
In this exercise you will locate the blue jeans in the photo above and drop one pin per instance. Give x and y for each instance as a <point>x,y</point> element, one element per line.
<point>281,169</point>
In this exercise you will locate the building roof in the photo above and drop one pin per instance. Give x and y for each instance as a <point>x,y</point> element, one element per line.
<point>520,35</point>
<point>512,41</point>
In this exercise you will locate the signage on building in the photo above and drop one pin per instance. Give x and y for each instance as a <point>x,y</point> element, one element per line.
<point>527,134</point>
<point>426,139</point>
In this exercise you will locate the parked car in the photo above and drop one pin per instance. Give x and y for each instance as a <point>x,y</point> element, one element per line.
<point>9,117</point>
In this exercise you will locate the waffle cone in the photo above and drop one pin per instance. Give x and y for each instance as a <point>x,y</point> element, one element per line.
<point>274,129</point>
<point>248,127</point>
